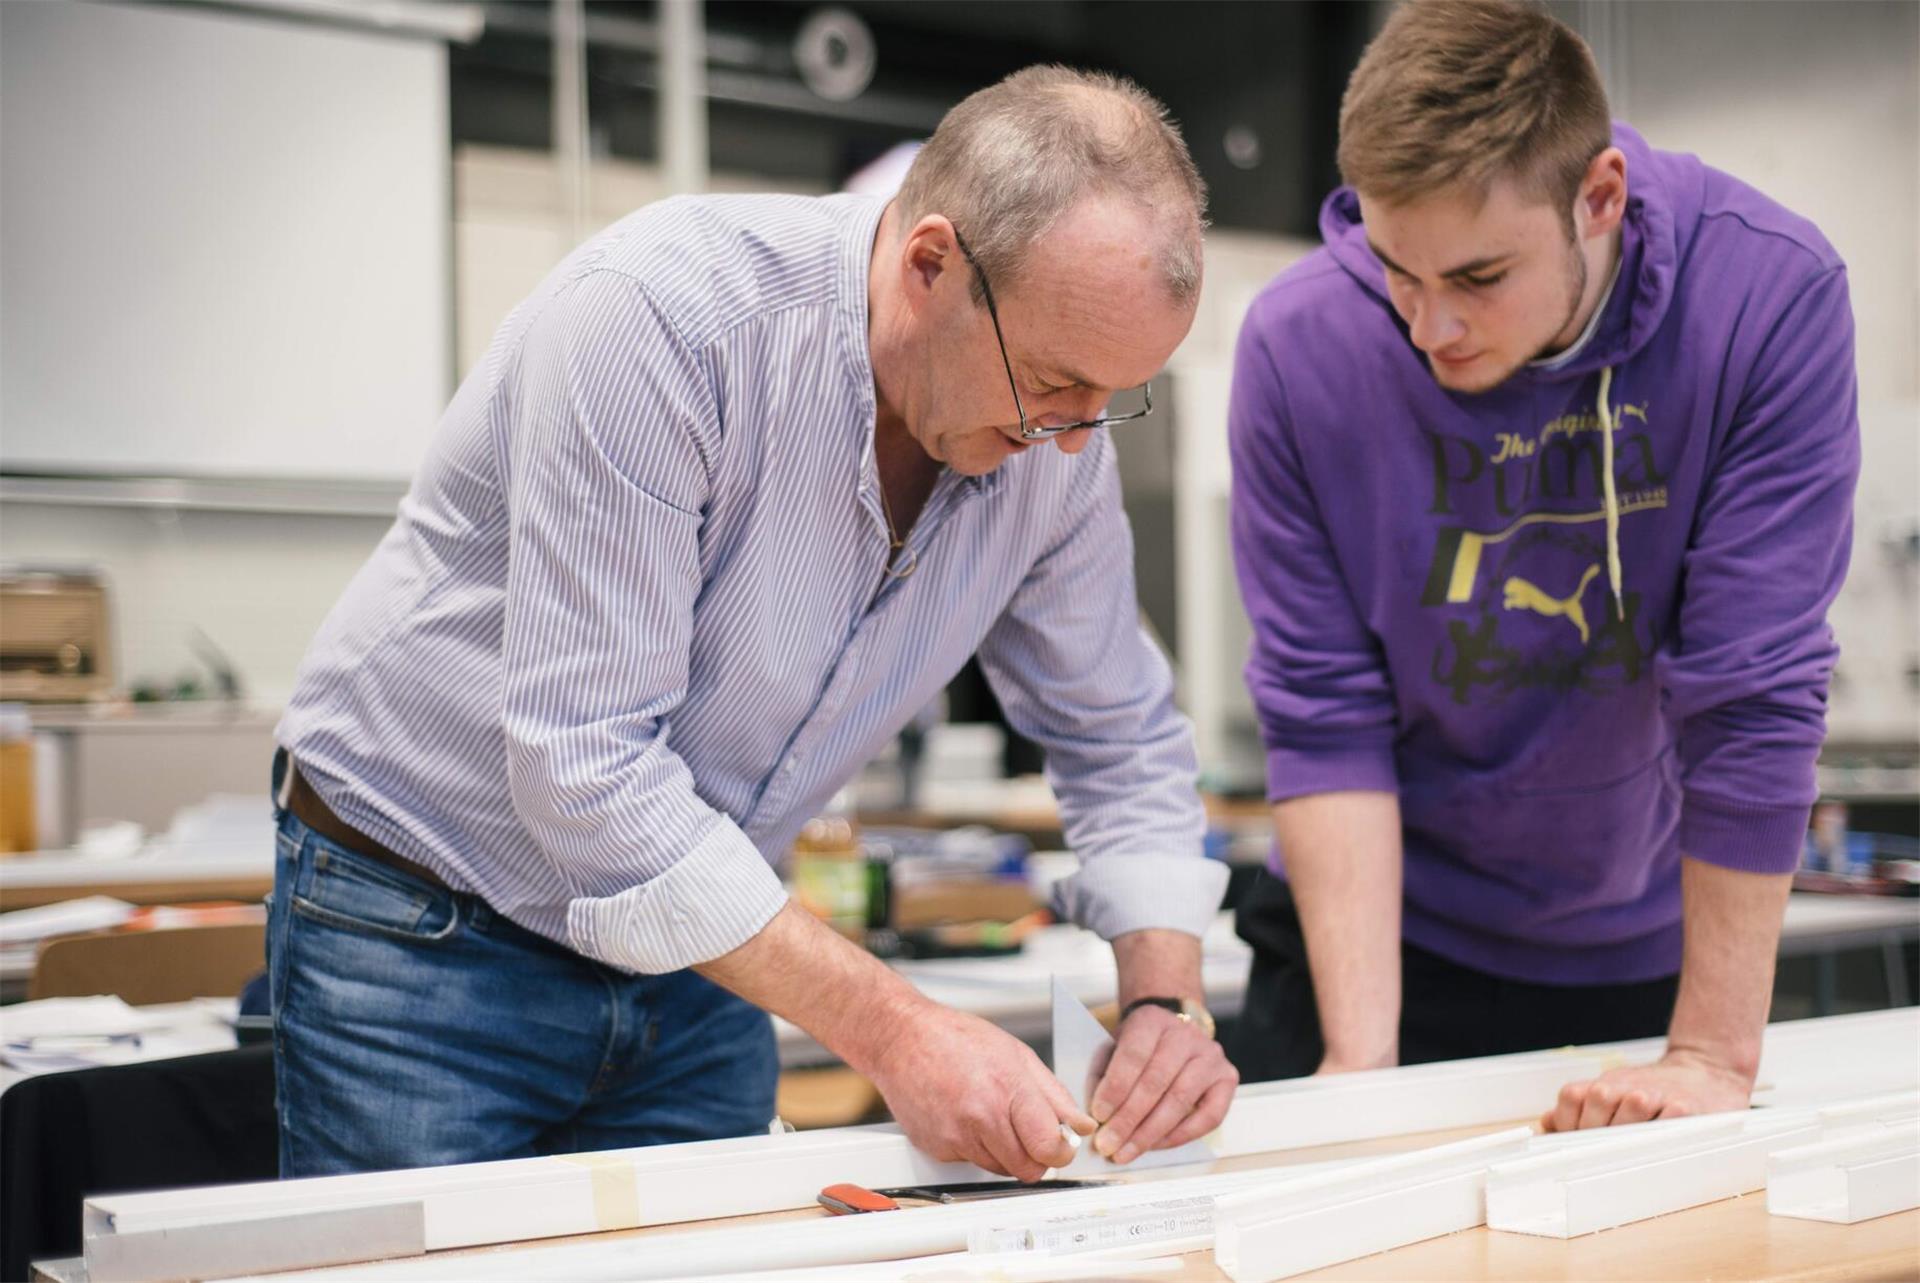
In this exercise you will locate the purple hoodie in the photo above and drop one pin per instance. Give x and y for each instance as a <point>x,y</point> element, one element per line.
<point>1428,578</point>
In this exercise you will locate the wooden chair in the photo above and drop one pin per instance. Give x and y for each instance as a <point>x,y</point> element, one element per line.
<point>168,964</point>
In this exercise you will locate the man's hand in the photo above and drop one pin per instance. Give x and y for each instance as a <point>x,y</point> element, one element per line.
<point>1731,933</point>
<point>1344,866</point>
<point>1677,1085</point>
<point>960,1088</point>
<point>964,1090</point>
<point>1166,1084</point>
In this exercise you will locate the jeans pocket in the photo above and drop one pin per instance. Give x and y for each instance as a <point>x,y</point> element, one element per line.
<point>354,893</point>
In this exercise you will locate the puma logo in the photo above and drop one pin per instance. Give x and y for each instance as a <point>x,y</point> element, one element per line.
<point>1637,411</point>
<point>1522,595</point>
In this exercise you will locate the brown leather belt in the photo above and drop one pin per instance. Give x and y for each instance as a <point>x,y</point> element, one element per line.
<point>318,816</point>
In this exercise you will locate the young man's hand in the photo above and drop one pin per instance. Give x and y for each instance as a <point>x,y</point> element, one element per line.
<point>1731,924</point>
<point>1677,1085</point>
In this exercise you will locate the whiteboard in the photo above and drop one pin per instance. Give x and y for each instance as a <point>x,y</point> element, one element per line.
<point>224,244</point>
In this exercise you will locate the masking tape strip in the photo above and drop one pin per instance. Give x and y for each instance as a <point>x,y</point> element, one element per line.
<point>1609,1061</point>
<point>616,1189</point>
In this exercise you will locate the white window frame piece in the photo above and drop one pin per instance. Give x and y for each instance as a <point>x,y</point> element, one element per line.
<point>1580,1189</point>
<point>1867,1173</point>
<point>1276,1231</point>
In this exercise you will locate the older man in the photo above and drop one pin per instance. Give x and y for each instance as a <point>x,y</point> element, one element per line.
<point>733,493</point>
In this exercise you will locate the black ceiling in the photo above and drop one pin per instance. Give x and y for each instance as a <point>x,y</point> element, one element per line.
<point>1269,72</point>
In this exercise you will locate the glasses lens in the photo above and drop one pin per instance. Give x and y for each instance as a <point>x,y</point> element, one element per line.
<point>1126,402</point>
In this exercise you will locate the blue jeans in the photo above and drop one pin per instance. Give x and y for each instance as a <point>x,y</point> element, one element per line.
<point>414,1026</point>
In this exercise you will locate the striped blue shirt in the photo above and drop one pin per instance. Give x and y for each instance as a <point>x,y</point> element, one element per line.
<point>631,627</point>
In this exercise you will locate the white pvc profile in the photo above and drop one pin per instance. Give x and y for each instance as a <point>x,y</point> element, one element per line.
<point>1812,1062</point>
<point>1579,1189</point>
<point>1275,1231</point>
<point>1803,1061</point>
<point>842,1241</point>
<point>848,1243</point>
<point>1397,1102</point>
<point>1886,1108</point>
<point>1870,1172</point>
<point>524,1199</point>
<point>508,1201</point>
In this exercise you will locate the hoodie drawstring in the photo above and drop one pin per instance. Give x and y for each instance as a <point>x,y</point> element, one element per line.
<point>1605,408</point>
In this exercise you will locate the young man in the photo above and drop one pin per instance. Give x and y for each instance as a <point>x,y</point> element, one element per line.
<point>1543,469</point>
<point>733,494</point>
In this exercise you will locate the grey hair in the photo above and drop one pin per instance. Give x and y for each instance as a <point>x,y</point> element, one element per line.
<point>1011,159</point>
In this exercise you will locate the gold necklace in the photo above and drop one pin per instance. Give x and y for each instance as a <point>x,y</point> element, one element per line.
<point>895,544</point>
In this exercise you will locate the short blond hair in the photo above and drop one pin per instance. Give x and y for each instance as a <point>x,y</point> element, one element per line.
<point>1461,93</point>
<point>1009,160</point>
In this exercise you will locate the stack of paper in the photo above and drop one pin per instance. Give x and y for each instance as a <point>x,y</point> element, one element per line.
<point>79,1033</point>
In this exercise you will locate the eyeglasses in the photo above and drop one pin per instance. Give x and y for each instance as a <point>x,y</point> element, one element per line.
<point>1036,431</point>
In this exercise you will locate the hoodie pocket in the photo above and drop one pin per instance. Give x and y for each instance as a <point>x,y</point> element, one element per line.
<point>1557,850</point>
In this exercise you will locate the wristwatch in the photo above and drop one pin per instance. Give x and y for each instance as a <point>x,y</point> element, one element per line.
<point>1185,1008</point>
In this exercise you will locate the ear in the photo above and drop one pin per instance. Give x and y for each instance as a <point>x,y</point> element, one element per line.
<point>929,250</point>
<point>1602,201</point>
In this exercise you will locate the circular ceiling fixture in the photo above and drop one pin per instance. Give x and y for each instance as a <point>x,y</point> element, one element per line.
<point>835,52</point>
<point>1242,146</point>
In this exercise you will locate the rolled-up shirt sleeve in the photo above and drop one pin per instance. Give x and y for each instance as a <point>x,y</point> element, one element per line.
<point>1076,673</point>
<point>609,436</point>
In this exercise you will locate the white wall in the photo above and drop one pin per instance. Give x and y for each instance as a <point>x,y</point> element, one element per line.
<point>260,583</point>
<point>1215,634</point>
<point>1816,103</point>
<point>223,244</point>
<point>510,226</point>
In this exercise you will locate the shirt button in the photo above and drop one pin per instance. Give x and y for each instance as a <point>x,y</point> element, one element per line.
<point>786,768</point>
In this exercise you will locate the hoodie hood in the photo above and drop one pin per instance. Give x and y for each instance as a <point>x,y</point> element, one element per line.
<point>1664,198</point>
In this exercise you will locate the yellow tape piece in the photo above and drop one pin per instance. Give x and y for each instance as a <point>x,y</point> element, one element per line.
<point>616,1189</point>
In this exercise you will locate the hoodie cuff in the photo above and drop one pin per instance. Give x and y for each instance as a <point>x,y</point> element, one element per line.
<point>1743,836</point>
<point>1294,772</point>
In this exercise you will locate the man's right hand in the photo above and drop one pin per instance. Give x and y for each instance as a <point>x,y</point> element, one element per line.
<point>964,1090</point>
<point>961,1088</point>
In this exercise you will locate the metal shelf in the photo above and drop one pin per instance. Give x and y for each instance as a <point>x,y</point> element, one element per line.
<point>318,497</point>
